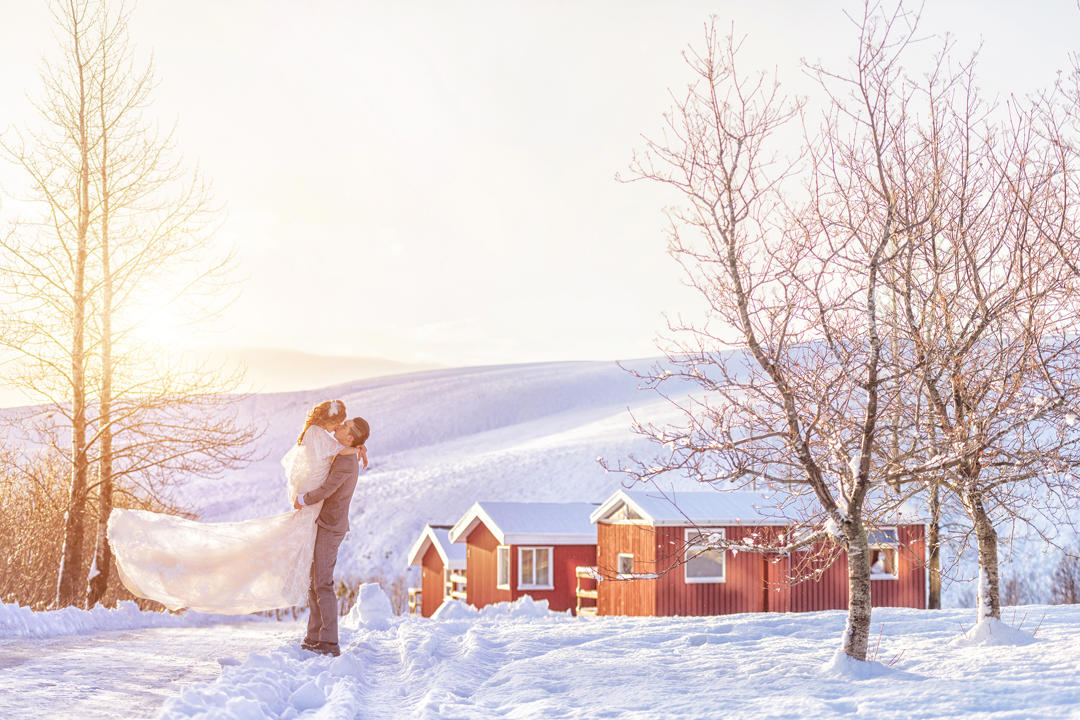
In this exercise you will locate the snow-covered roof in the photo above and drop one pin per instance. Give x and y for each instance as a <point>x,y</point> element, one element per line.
<point>529,523</point>
<point>453,556</point>
<point>688,508</point>
<point>908,512</point>
<point>729,507</point>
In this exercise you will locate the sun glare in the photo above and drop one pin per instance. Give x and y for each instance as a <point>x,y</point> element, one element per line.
<point>158,325</point>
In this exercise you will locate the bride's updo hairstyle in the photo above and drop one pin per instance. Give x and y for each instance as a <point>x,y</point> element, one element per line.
<point>329,412</point>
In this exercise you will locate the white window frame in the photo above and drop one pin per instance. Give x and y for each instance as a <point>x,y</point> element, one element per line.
<point>618,566</point>
<point>889,547</point>
<point>501,552</point>
<point>693,551</point>
<point>522,585</point>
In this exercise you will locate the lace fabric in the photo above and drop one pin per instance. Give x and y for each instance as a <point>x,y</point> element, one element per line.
<point>231,567</point>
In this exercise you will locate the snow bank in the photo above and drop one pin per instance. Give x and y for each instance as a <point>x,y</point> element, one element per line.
<point>845,667</point>
<point>372,609</point>
<point>991,631</point>
<point>524,608</point>
<point>452,609</point>
<point>19,621</point>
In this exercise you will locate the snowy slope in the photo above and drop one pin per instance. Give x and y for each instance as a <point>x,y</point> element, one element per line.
<point>442,440</point>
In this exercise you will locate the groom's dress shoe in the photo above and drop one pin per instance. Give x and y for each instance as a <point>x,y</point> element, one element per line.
<point>322,648</point>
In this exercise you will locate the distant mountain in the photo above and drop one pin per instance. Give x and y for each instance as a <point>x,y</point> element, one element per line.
<point>267,370</point>
<point>279,370</point>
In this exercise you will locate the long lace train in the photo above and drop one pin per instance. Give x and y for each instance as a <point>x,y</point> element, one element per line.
<point>229,567</point>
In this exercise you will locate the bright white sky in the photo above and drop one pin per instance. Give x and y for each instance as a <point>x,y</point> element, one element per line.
<point>435,180</point>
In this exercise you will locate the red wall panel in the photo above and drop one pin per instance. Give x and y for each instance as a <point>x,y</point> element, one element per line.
<point>743,589</point>
<point>753,582</point>
<point>908,590</point>
<point>431,582</point>
<point>625,597</point>
<point>481,569</point>
<point>564,562</point>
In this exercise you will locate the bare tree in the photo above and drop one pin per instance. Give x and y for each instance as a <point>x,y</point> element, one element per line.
<point>905,314</point>
<point>154,222</point>
<point>46,264</point>
<point>988,305</point>
<point>142,229</point>
<point>1065,582</point>
<point>799,281</point>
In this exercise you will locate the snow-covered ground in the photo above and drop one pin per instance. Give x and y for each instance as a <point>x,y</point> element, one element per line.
<point>520,661</point>
<point>113,674</point>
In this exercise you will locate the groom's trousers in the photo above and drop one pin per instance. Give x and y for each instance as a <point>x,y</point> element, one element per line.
<point>323,621</point>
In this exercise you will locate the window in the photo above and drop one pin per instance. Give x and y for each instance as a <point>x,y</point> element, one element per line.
<point>534,568</point>
<point>502,557</point>
<point>704,564</point>
<point>886,535</point>
<point>625,565</point>
<point>883,554</point>
<point>624,513</point>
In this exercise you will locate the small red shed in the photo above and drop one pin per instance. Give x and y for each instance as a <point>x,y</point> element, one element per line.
<point>442,569</point>
<point>653,554</point>
<point>520,548</point>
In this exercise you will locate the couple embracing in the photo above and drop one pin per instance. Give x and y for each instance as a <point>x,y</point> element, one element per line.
<point>260,564</point>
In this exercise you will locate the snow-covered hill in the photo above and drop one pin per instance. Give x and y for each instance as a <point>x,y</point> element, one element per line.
<point>442,440</point>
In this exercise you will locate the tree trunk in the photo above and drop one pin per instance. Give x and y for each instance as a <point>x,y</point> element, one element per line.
<point>933,549</point>
<point>103,554</point>
<point>99,583</point>
<point>857,632</point>
<point>989,602</point>
<point>70,584</point>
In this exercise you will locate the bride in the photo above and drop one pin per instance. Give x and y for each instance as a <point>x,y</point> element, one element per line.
<point>233,567</point>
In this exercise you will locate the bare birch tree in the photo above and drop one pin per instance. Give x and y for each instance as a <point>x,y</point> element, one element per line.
<point>146,223</point>
<point>154,221</point>
<point>46,263</point>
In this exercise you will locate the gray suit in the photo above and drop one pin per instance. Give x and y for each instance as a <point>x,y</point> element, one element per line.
<point>336,494</point>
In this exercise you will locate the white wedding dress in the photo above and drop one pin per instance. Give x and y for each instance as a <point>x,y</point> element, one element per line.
<point>230,567</point>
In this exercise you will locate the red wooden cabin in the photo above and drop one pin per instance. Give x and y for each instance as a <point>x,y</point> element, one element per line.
<point>653,556</point>
<point>442,569</point>
<point>517,548</point>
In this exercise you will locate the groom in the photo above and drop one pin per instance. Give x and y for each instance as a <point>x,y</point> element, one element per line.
<point>333,523</point>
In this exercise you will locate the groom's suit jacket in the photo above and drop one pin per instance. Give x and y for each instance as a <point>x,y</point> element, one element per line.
<point>336,493</point>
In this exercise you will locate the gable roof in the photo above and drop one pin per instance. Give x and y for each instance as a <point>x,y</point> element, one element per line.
<point>728,507</point>
<point>453,556</point>
<point>526,523</point>
<point>737,507</point>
